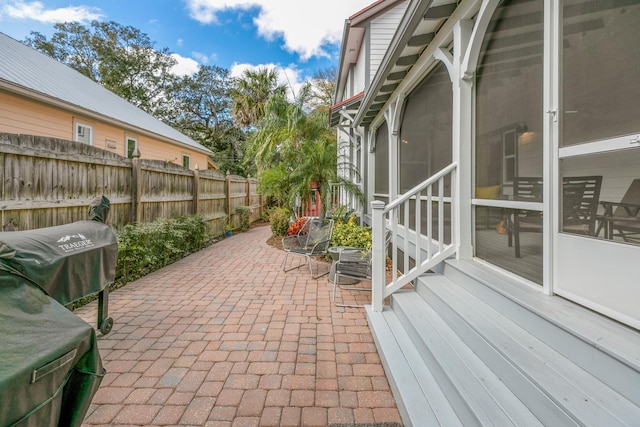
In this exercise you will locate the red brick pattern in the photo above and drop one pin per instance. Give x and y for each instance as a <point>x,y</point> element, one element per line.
<point>225,338</point>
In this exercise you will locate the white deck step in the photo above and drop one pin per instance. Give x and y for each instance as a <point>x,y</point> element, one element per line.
<point>469,347</point>
<point>420,399</point>
<point>605,348</point>
<point>554,387</point>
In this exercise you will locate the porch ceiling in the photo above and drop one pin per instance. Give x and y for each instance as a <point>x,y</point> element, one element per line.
<point>416,31</point>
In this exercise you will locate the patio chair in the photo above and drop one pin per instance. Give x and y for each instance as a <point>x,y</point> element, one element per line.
<point>313,239</point>
<point>622,219</point>
<point>354,263</point>
<point>580,195</point>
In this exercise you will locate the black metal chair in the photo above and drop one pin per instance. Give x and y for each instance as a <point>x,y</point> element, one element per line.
<point>353,263</point>
<point>580,195</point>
<point>622,219</point>
<point>313,239</point>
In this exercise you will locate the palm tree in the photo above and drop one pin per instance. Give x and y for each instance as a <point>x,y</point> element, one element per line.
<point>252,92</point>
<point>316,170</point>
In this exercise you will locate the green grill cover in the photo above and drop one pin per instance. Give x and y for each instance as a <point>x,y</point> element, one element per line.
<point>68,261</point>
<point>50,366</point>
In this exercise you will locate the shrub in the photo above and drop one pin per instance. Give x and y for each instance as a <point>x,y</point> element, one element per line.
<point>342,213</point>
<point>279,219</point>
<point>295,227</point>
<point>146,247</point>
<point>351,234</point>
<point>245,216</point>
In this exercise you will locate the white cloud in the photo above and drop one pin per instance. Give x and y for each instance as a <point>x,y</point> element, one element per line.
<point>36,11</point>
<point>305,26</point>
<point>184,66</point>
<point>288,76</point>
<point>202,58</point>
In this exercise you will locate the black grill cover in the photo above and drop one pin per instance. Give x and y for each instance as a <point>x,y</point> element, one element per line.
<point>68,262</point>
<point>50,366</point>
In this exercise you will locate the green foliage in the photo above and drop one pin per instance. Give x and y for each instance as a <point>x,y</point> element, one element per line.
<point>275,184</point>
<point>342,214</point>
<point>252,92</point>
<point>244,212</point>
<point>279,219</point>
<point>120,58</point>
<point>351,234</point>
<point>126,61</point>
<point>146,247</point>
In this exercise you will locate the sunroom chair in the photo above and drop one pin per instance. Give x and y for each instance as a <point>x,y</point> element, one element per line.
<point>313,239</point>
<point>525,189</point>
<point>580,195</point>
<point>622,219</point>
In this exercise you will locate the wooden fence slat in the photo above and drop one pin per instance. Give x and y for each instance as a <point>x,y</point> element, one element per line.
<point>48,182</point>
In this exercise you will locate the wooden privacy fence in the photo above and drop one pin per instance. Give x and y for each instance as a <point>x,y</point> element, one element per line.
<point>48,182</point>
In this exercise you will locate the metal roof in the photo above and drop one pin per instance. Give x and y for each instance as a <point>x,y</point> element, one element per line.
<point>35,74</point>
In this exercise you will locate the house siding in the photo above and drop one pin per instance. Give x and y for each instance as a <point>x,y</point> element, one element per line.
<point>382,30</point>
<point>23,116</point>
<point>359,72</point>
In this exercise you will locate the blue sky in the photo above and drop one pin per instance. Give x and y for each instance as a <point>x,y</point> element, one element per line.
<point>295,36</point>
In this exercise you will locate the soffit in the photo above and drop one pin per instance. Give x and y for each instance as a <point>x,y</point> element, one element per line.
<point>349,106</point>
<point>417,29</point>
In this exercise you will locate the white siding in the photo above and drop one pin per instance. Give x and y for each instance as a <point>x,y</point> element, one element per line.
<point>381,32</point>
<point>359,71</point>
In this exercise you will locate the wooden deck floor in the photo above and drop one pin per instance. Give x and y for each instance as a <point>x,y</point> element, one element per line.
<point>494,248</point>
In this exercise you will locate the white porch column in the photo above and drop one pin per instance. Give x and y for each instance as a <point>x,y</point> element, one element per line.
<point>392,116</point>
<point>462,142</point>
<point>378,257</point>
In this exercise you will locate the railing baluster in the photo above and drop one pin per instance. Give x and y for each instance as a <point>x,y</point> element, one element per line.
<point>441,214</point>
<point>387,217</point>
<point>429,220</point>
<point>405,245</point>
<point>418,214</point>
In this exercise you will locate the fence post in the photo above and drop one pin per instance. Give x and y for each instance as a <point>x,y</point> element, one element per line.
<point>136,187</point>
<point>228,194</point>
<point>378,255</point>
<point>196,190</point>
<point>249,190</point>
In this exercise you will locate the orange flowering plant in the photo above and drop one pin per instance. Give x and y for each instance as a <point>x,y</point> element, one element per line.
<point>295,227</point>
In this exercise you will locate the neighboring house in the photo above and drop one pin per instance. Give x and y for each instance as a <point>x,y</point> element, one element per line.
<point>500,142</point>
<point>40,96</point>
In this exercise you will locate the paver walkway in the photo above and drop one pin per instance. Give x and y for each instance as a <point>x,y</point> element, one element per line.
<point>225,338</point>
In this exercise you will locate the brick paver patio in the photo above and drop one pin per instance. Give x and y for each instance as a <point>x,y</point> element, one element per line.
<point>225,338</point>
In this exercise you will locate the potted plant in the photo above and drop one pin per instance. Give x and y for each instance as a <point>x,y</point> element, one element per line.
<point>351,234</point>
<point>348,234</point>
<point>228,230</point>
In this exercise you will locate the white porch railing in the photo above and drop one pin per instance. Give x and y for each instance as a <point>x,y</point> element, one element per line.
<point>421,249</point>
<point>342,196</point>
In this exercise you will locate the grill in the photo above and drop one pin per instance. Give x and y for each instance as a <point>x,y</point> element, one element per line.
<point>51,366</point>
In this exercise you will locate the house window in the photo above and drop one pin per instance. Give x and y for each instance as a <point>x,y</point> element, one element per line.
<point>186,161</point>
<point>84,133</point>
<point>132,144</point>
